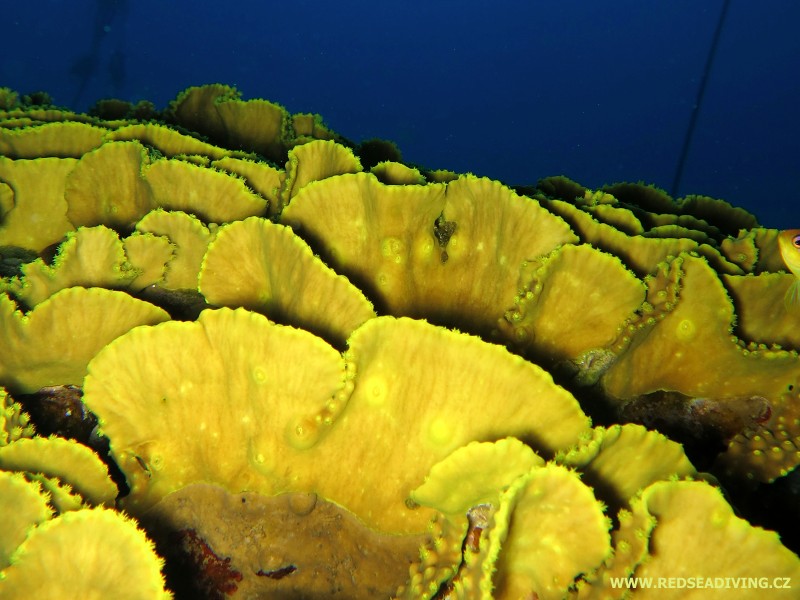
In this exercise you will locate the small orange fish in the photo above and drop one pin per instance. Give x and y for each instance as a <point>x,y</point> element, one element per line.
<point>789,245</point>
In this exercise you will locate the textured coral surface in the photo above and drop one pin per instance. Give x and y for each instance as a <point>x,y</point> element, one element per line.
<point>310,370</point>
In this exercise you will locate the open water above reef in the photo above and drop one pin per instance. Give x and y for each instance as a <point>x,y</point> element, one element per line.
<point>601,91</point>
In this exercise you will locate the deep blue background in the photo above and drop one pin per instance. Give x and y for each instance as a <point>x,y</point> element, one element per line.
<point>599,90</point>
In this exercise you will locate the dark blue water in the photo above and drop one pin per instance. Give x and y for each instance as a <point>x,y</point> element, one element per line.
<point>601,91</point>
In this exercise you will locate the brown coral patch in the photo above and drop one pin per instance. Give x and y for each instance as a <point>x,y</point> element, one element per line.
<point>248,545</point>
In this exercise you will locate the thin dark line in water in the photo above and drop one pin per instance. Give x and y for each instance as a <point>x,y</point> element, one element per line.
<point>701,90</point>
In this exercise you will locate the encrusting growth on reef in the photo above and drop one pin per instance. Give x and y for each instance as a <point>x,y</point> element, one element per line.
<point>301,367</point>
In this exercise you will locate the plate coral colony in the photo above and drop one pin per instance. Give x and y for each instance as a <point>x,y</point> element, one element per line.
<point>242,356</point>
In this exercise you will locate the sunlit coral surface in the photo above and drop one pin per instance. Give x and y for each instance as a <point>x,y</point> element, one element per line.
<point>309,370</point>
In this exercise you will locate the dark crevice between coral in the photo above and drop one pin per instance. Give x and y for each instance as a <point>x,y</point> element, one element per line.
<point>703,426</point>
<point>182,305</point>
<point>59,410</point>
<point>479,518</point>
<point>192,567</point>
<point>319,247</point>
<point>113,109</point>
<point>768,504</point>
<point>593,402</point>
<point>13,258</point>
<point>374,151</point>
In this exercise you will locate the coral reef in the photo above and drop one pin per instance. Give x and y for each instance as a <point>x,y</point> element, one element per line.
<point>57,524</point>
<point>304,378</point>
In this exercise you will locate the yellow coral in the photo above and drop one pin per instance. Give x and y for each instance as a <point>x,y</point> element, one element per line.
<point>106,186</point>
<point>93,553</point>
<point>22,506</point>
<point>264,267</point>
<point>38,216</point>
<point>631,298</point>
<point>692,523</point>
<point>324,411</point>
<point>53,343</point>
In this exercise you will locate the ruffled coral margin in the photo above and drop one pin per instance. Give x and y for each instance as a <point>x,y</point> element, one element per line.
<point>253,341</point>
<point>59,537</point>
